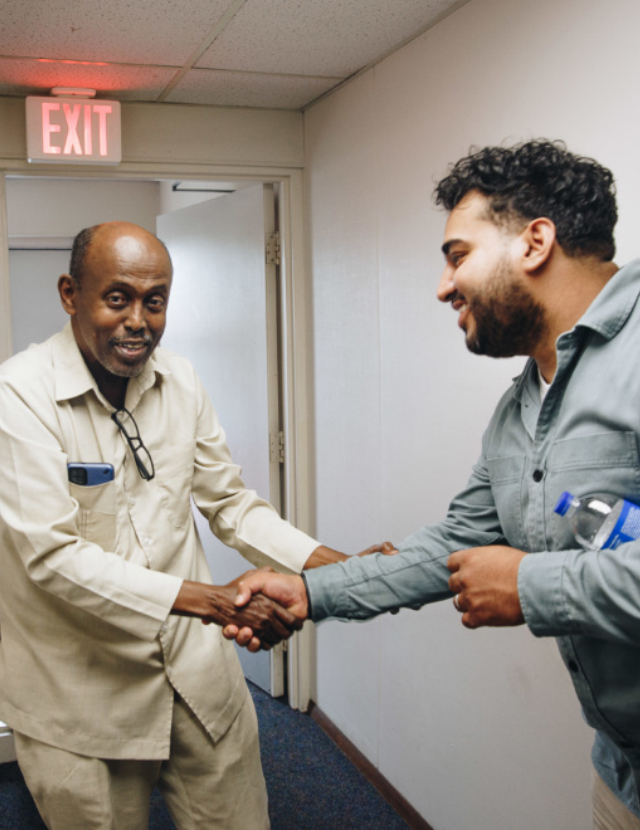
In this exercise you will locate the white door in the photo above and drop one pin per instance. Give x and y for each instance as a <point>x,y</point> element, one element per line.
<point>223,317</point>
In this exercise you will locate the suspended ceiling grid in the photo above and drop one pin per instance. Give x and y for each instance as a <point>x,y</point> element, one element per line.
<point>281,54</point>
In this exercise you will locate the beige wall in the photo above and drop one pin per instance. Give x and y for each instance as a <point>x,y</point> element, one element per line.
<point>477,729</point>
<point>174,134</point>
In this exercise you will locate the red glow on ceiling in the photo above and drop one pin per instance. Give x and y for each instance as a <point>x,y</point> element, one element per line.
<point>75,63</point>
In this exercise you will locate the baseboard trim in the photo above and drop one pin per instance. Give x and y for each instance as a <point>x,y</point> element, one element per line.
<point>370,772</point>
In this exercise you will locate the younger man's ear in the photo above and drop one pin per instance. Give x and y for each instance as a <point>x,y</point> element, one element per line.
<point>67,289</point>
<point>539,237</point>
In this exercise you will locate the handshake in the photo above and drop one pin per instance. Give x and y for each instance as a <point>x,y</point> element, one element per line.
<point>260,608</point>
<point>269,607</point>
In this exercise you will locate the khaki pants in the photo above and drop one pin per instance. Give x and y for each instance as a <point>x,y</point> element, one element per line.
<point>609,813</point>
<point>205,785</point>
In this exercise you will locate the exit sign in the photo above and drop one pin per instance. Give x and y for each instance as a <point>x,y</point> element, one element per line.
<point>73,130</point>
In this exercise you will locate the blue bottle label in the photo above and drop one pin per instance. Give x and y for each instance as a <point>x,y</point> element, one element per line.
<point>627,528</point>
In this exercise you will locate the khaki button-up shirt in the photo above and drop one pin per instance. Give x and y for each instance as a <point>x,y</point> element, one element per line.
<point>89,654</point>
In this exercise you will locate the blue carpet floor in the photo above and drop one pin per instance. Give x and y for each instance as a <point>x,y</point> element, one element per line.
<point>311,784</point>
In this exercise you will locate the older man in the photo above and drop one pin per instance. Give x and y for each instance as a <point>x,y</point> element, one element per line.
<point>528,249</point>
<point>107,675</point>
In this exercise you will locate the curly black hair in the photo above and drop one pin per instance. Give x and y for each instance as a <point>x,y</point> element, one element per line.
<point>541,178</point>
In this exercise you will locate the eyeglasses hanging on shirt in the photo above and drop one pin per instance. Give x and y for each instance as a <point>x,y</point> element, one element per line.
<point>125,422</point>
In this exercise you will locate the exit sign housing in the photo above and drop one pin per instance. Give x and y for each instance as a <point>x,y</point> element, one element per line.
<point>73,131</point>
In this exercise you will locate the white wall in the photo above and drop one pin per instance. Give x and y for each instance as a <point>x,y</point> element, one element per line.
<point>50,207</point>
<point>477,729</point>
<point>36,310</point>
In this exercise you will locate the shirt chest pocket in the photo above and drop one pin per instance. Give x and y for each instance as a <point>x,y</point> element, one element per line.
<point>174,476</point>
<point>604,462</point>
<point>96,517</point>
<point>505,475</point>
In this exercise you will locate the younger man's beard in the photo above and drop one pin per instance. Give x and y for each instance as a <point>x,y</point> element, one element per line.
<point>508,321</point>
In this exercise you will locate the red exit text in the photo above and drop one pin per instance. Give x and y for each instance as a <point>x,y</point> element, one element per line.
<point>69,130</point>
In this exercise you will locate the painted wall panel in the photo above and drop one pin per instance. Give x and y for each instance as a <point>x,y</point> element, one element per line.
<point>346,369</point>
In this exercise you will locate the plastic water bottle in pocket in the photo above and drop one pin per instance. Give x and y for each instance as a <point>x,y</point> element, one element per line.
<point>601,521</point>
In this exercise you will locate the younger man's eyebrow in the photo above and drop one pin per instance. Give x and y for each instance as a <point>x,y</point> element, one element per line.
<point>447,245</point>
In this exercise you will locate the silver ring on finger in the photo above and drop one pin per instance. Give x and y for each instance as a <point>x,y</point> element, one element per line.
<point>456,602</point>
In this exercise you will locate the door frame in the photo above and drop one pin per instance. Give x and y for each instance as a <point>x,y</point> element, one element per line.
<point>295,321</point>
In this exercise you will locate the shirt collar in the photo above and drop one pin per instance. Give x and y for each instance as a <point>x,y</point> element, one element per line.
<point>610,310</point>
<point>606,315</point>
<point>72,375</point>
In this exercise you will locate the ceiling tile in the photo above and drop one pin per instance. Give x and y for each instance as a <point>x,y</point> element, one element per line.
<point>159,32</point>
<point>244,89</point>
<point>122,82</point>
<point>307,37</point>
<point>134,48</point>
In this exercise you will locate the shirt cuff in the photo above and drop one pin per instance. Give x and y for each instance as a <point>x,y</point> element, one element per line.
<point>325,591</point>
<point>309,603</point>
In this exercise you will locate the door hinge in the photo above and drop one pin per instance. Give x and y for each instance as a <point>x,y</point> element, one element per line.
<point>276,447</point>
<point>272,247</point>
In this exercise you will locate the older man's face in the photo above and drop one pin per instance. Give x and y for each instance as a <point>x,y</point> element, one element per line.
<point>119,309</point>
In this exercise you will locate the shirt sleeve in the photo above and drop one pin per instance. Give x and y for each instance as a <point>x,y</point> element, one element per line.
<point>596,593</point>
<point>236,515</point>
<point>363,587</point>
<point>41,536</point>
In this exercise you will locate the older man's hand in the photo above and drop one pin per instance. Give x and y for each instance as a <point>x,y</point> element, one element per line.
<point>323,555</point>
<point>267,620</point>
<point>287,590</point>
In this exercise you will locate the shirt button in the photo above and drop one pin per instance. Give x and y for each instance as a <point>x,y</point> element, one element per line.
<point>573,666</point>
<point>538,475</point>
<point>131,499</point>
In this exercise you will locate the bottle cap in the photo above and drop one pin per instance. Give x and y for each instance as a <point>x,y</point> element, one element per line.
<point>564,503</point>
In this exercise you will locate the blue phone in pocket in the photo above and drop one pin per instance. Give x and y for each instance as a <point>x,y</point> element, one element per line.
<point>89,475</point>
